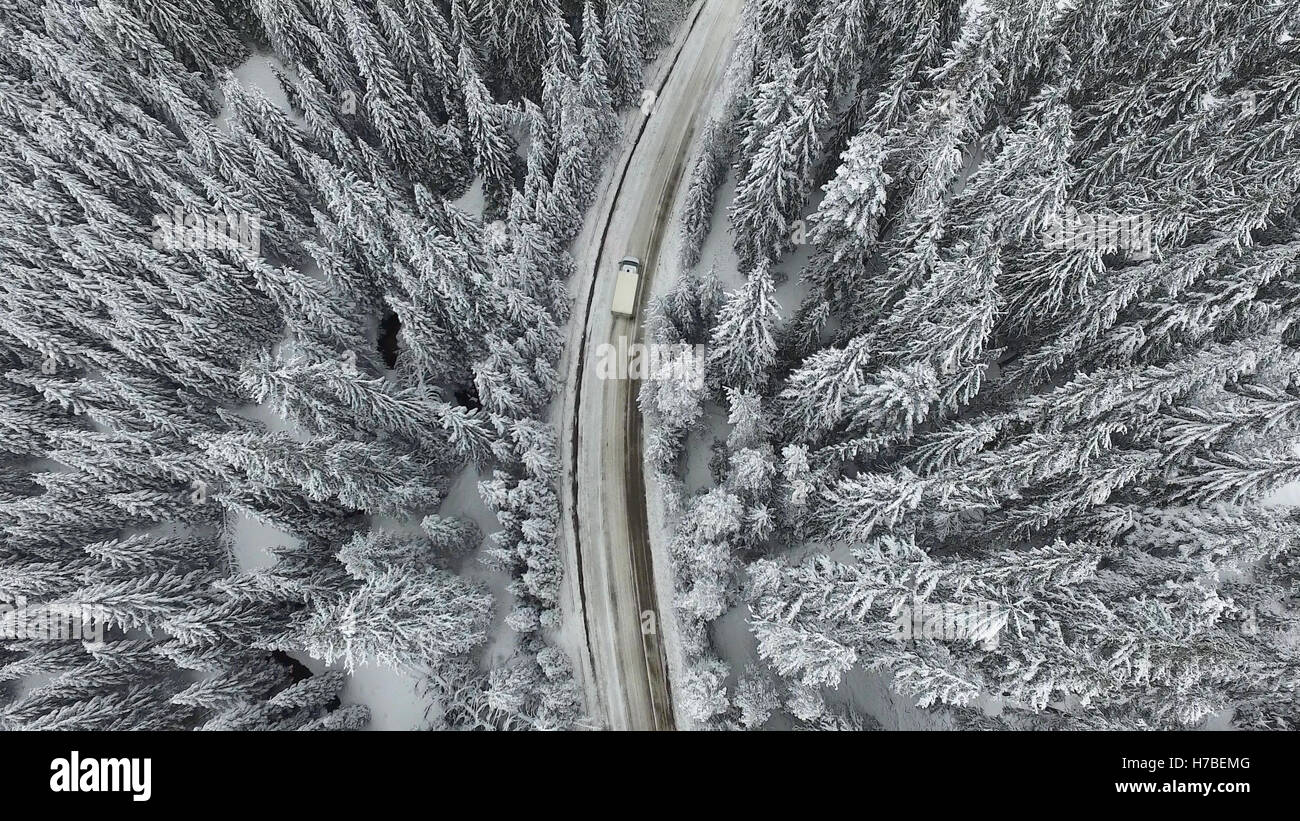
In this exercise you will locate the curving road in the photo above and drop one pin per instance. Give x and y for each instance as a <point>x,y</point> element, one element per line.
<point>604,493</point>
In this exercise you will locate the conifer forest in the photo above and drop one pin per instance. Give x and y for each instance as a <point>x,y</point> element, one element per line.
<point>649,364</point>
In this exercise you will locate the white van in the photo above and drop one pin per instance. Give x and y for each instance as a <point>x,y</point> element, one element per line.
<point>628,287</point>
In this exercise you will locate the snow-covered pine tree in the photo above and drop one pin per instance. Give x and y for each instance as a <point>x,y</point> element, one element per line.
<point>743,348</point>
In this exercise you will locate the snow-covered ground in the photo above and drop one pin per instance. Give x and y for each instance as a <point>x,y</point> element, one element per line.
<point>1287,495</point>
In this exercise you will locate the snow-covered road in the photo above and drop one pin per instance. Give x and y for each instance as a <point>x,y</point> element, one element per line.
<point>603,488</point>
